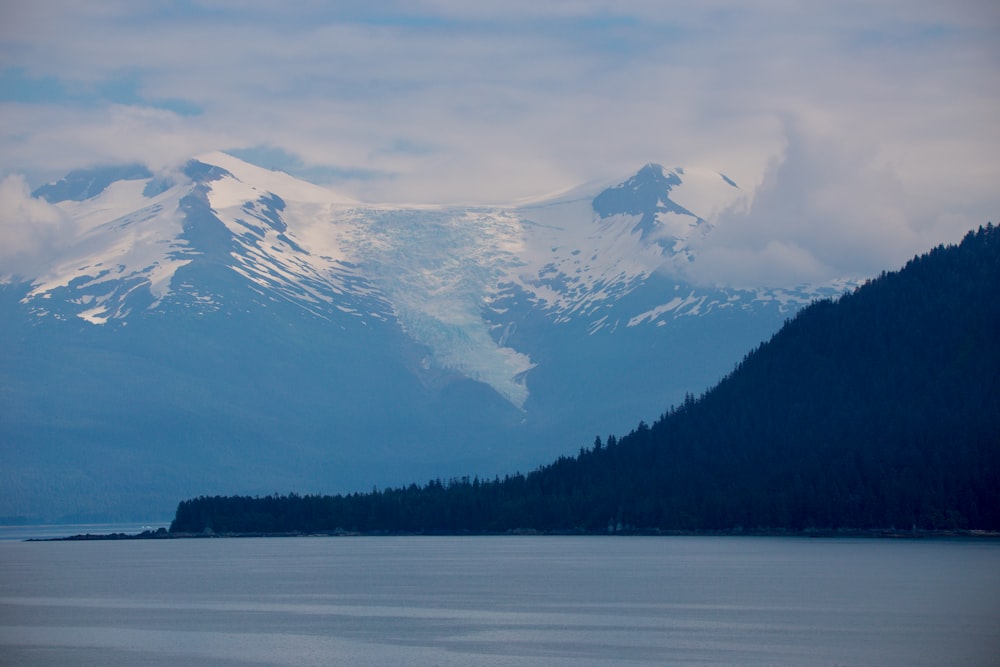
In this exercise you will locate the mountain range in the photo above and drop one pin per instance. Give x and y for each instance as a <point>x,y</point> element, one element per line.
<point>225,328</point>
<point>877,412</point>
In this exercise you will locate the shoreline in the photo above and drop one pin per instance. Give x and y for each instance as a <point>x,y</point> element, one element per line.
<point>876,533</point>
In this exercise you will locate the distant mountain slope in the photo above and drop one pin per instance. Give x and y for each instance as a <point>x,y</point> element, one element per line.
<point>878,410</point>
<point>231,328</point>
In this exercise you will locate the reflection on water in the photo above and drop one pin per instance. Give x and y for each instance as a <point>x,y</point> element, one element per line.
<point>501,601</point>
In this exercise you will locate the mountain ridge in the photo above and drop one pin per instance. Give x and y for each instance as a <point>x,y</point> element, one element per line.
<point>876,413</point>
<point>320,250</point>
<point>264,318</point>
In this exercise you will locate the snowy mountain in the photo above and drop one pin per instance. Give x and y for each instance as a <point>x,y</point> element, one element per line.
<point>235,328</point>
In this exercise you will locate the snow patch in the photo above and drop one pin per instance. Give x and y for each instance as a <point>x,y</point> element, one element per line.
<point>707,193</point>
<point>142,246</point>
<point>258,179</point>
<point>94,315</point>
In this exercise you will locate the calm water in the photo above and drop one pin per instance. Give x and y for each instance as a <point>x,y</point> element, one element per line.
<point>501,601</point>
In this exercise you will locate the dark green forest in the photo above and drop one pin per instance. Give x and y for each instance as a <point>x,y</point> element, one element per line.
<point>877,410</point>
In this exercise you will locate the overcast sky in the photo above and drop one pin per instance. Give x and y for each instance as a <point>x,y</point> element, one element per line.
<point>865,131</point>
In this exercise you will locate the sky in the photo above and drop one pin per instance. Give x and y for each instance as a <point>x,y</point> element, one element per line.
<point>863,132</point>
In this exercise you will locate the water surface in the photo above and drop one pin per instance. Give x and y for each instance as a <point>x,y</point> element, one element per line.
<point>501,601</point>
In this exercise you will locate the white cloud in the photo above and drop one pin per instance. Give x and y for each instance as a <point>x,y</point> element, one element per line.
<point>30,228</point>
<point>491,101</point>
<point>828,208</point>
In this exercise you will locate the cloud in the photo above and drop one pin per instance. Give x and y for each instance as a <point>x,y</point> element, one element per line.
<point>441,101</point>
<point>30,228</point>
<point>827,208</point>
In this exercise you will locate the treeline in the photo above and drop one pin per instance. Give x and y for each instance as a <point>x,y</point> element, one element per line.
<point>452,506</point>
<point>878,410</point>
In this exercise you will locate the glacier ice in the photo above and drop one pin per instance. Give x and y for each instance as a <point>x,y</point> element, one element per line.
<point>442,273</point>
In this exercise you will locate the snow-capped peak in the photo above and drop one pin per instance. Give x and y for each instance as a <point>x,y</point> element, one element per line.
<point>250,181</point>
<point>122,241</point>
<point>446,275</point>
<point>585,249</point>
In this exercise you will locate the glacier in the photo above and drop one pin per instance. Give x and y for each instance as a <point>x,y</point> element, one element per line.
<point>224,327</point>
<point>435,269</point>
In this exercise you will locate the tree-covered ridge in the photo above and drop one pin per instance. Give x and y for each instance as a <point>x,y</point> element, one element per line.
<point>880,409</point>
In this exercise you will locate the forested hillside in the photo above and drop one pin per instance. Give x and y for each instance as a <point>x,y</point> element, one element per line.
<point>878,410</point>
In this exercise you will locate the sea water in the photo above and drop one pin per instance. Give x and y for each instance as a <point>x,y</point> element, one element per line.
<point>501,601</point>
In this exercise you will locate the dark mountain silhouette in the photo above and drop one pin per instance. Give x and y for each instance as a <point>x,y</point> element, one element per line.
<point>880,409</point>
